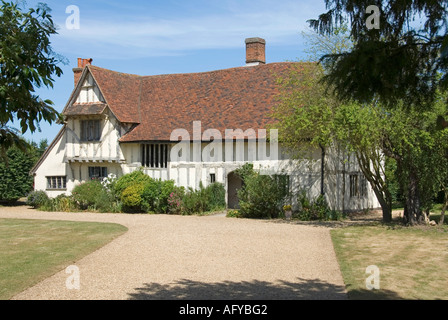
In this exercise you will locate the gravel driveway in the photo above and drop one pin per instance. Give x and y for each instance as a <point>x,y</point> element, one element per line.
<point>197,257</point>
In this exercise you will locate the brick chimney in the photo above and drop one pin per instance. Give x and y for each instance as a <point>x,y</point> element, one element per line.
<point>78,71</point>
<point>255,51</point>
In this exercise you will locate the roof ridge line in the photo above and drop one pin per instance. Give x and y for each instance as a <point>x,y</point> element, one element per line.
<point>200,72</point>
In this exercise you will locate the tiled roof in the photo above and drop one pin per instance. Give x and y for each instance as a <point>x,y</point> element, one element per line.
<point>85,109</point>
<point>236,98</point>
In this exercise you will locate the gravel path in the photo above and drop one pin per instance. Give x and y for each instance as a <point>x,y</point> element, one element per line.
<point>197,257</point>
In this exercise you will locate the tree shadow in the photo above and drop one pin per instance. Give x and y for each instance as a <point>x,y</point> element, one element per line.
<point>13,203</point>
<point>380,294</point>
<point>184,289</point>
<point>355,218</point>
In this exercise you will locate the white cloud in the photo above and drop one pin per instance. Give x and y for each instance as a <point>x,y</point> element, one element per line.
<point>143,35</point>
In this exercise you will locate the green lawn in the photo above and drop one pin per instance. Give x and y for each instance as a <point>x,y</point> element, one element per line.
<point>31,250</point>
<point>412,261</point>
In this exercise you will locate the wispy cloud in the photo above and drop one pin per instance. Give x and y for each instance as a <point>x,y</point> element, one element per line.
<point>142,34</point>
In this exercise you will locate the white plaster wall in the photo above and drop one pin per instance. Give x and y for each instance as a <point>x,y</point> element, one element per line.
<point>304,174</point>
<point>107,148</point>
<point>53,165</point>
<point>89,92</point>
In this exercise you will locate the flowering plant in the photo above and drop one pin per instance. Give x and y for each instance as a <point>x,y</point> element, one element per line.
<point>175,201</point>
<point>109,182</point>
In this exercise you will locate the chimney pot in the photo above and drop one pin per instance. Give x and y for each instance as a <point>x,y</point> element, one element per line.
<point>255,51</point>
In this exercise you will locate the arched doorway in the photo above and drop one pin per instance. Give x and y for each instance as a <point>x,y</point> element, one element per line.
<point>234,183</point>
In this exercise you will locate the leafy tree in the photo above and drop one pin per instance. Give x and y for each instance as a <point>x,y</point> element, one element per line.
<point>419,148</point>
<point>400,61</point>
<point>27,62</point>
<point>39,148</point>
<point>15,180</point>
<point>310,117</point>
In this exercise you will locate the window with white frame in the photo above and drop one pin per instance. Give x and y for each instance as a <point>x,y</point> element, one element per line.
<point>154,155</point>
<point>57,182</point>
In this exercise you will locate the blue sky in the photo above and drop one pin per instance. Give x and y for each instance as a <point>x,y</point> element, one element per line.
<point>162,37</point>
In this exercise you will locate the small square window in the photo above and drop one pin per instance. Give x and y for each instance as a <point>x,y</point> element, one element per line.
<point>354,185</point>
<point>212,178</point>
<point>57,182</point>
<point>358,186</point>
<point>97,173</point>
<point>90,130</point>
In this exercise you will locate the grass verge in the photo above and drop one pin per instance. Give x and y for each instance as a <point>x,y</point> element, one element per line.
<point>411,260</point>
<point>32,250</point>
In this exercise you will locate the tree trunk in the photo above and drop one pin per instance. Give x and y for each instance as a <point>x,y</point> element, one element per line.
<point>371,168</point>
<point>442,214</point>
<point>343,187</point>
<point>386,205</point>
<point>445,204</point>
<point>412,213</point>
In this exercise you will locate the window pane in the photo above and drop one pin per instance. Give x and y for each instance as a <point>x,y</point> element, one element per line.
<point>154,155</point>
<point>148,156</point>
<point>90,130</point>
<point>166,156</point>
<point>57,182</point>
<point>83,130</point>
<point>97,130</point>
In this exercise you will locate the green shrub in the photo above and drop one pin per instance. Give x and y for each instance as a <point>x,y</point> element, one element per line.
<point>204,199</point>
<point>64,203</point>
<point>165,189</point>
<point>107,202</point>
<point>262,196</point>
<point>132,198</point>
<point>61,203</point>
<point>216,195</point>
<point>37,199</point>
<point>316,209</point>
<point>195,201</point>
<point>85,194</point>
<point>134,190</point>
<point>15,180</point>
<point>109,183</point>
<point>174,200</point>
<point>233,213</point>
<point>135,177</point>
<point>156,193</point>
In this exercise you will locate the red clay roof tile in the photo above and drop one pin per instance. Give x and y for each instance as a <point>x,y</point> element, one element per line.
<point>236,98</point>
